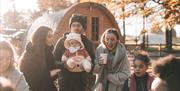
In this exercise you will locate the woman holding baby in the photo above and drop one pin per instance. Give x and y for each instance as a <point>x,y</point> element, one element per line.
<point>112,67</point>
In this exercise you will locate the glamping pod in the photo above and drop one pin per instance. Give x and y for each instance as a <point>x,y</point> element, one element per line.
<point>98,19</point>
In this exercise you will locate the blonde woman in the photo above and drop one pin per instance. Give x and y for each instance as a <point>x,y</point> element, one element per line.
<point>8,69</point>
<point>112,67</point>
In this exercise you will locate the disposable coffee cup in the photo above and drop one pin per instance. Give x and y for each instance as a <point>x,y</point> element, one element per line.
<point>104,57</point>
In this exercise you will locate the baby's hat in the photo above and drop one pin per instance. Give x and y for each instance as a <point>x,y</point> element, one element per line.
<point>73,36</point>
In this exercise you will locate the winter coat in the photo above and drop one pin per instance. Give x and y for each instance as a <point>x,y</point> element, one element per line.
<point>17,79</point>
<point>113,77</point>
<point>69,79</point>
<point>36,64</point>
<point>135,83</point>
<point>60,49</point>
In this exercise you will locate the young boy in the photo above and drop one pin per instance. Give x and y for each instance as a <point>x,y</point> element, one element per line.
<point>140,80</point>
<point>75,55</point>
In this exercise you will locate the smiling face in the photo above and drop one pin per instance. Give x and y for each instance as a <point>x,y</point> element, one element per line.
<point>5,59</point>
<point>140,68</point>
<point>110,41</point>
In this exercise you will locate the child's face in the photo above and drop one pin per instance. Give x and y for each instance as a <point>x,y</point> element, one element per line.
<point>5,59</point>
<point>74,43</point>
<point>140,68</point>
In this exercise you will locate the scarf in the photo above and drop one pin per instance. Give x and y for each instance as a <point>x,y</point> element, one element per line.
<point>133,82</point>
<point>114,61</point>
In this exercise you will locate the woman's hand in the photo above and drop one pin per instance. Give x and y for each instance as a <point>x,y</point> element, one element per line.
<point>103,58</point>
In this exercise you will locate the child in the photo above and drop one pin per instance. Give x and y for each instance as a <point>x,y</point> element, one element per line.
<point>168,75</point>
<point>140,80</point>
<point>76,57</point>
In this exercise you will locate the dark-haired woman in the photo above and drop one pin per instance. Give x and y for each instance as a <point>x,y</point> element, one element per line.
<point>36,62</point>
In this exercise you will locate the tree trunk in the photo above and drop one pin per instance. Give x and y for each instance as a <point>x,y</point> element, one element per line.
<point>169,39</point>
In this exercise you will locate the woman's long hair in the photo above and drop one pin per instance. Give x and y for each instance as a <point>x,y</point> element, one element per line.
<point>35,49</point>
<point>38,38</point>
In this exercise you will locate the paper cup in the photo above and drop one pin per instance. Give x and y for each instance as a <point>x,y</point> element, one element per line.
<point>104,57</point>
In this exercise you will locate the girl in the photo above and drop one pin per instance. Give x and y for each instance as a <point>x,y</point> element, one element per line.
<point>140,80</point>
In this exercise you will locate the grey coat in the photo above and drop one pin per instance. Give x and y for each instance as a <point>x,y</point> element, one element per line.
<point>120,69</point>
<point>17,79</point>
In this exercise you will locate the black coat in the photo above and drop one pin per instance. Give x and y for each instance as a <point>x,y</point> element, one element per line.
<point>36,63</point>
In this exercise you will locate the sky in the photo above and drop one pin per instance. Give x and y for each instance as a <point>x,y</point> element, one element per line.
<point>133,24</point>
<point>20,5</point>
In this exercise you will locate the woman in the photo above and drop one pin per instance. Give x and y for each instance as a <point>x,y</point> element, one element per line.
<point>8,68</point>
<point>111,64</point>
<point>37,61</point>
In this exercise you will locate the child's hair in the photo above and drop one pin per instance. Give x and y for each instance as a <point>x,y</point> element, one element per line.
<point>5,45</point>
<point>142,57</point>
<point>167,69</point>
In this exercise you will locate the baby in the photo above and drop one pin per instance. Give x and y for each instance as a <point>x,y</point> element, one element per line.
<point>75,55</point>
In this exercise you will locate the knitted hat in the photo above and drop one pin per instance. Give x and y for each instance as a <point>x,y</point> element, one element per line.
<point>78,18</point>
<point>73,36</point>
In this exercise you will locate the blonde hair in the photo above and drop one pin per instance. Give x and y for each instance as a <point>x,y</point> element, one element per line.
<point>110,31</point>
<point>6,45</point>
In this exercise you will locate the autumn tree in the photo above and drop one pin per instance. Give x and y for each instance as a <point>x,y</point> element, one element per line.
<point>13,19</point>
<point>55,5</point>
<point>163,13</point>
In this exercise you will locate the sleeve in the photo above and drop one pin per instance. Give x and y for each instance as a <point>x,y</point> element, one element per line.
<point>64,57</point>
<point>58,52</point>
<point>89,47</point>
<point>122,74</point>
<point>87,55</point>
<point>125,86</point>
<point>22,85</point>
<point>19,79</point>
<point>97,67</point>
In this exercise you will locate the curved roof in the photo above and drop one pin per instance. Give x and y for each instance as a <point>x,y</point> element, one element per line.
<point>48,20</point>
<point>53,20</point>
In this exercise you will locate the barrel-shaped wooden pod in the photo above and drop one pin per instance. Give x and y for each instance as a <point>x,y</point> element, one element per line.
<point>98,19</point>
